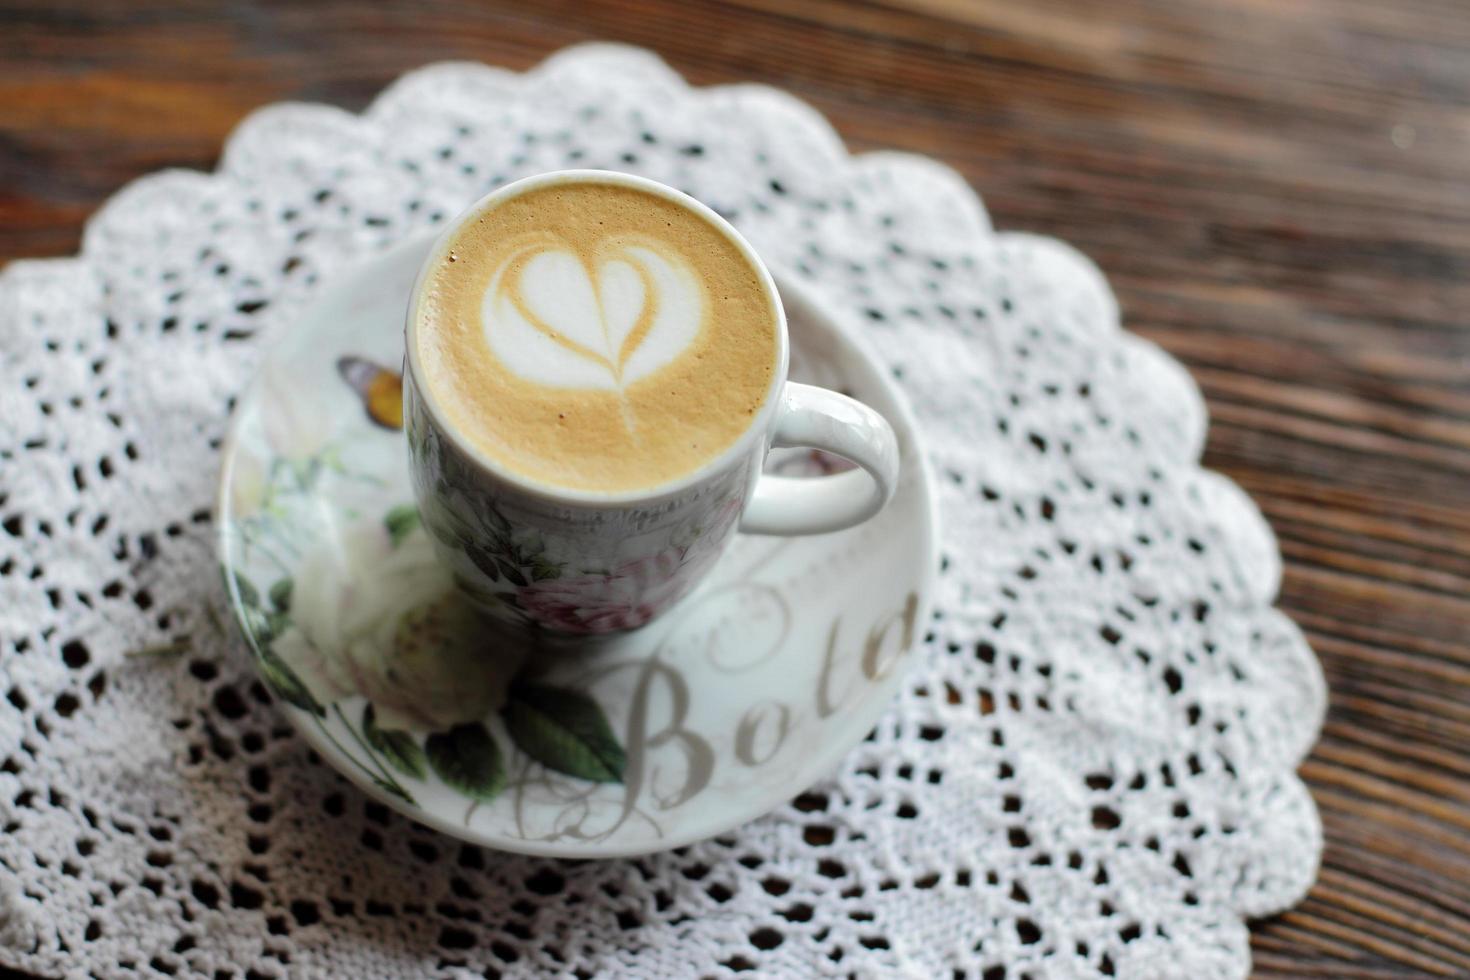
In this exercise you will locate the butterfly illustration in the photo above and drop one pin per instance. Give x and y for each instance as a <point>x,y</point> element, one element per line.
<point>380,389</point>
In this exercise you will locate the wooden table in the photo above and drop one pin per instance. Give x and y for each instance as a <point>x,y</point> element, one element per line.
<point>1279,191</point>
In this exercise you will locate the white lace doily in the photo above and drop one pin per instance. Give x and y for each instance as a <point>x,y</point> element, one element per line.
<point>1090,773</point>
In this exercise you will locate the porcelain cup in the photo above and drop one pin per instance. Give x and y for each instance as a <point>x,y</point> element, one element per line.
<point>546,558</point>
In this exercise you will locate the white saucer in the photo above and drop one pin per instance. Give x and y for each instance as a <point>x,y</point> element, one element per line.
<point>742,696</point>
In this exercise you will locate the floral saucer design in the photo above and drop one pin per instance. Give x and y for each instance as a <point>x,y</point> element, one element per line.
<point>738,698</point>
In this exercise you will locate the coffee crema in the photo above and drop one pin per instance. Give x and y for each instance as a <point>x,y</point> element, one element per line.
<point>596,336</point>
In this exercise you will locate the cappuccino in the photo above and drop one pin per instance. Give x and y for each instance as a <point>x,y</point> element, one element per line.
<point>596,336</point>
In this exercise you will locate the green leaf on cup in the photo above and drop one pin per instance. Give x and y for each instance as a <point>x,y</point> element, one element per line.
<point>400,522</point>
<point>511,573</point>
<point>484,561</point>
<point>564,730</point>
<point>280,594</point>
<point>398,747</point>
<point>468,759</point>
<point>287,685</point>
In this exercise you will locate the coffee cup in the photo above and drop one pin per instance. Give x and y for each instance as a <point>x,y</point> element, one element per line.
<point>595,372</point>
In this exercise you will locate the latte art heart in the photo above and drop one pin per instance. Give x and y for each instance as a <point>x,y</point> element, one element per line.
<point>604,321</point>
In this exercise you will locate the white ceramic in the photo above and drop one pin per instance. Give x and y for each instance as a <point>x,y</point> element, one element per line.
<point>540,557</point>
<point>746,692</point>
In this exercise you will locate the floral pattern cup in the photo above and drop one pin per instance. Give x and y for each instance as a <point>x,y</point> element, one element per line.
<point>579,562</point>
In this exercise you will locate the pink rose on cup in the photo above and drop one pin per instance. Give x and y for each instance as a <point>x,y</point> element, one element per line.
<point>633,592</point>
<point>625,598</point>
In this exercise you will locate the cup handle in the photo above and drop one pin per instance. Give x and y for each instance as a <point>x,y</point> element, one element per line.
<point>822,419</point>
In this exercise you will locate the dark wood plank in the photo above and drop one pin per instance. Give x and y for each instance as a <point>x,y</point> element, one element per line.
<point>1276,188</point>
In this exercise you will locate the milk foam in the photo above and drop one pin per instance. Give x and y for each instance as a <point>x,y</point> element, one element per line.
<point>603,319</point>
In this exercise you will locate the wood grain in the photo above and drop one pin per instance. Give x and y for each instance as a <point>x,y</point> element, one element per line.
<point>1277,190</point>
